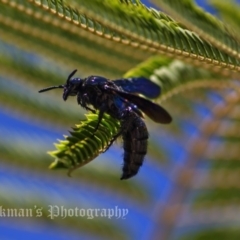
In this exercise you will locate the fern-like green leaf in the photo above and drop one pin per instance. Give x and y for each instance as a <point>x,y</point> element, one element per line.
<point>209,234</point>
<point>175,76</point>
<point>229,12</point>
<point>84,144</point>
<point>146,31</point>
<point>206,25</point>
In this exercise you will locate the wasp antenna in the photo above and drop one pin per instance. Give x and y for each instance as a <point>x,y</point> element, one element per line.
<point>71,74</point>
<point>50,88</point>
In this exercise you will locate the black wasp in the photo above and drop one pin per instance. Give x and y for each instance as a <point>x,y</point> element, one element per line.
<point>119,99</point>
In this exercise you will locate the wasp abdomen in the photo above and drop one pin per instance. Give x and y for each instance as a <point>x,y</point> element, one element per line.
<point>135,147</point>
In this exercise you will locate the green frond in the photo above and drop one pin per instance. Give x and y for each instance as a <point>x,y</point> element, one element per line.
<point>164,36</point>
<point>143,30</point>
<point>218,233</point>
<point>207,26</point>
<point>218,195</point>
<point>82,147</point>
<point>34,28</point>
<point>175,76</point>
<point>229,12</point>
<point>147,68</point>
<point>222,163</point>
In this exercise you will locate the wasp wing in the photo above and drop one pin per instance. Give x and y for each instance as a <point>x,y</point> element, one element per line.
<point>152,110</point>
<point>139,85</point>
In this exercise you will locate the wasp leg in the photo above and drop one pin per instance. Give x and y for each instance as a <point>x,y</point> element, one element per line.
<point>100,117</point>
<point>113,139</point>
<point>91,110</point>
<point>125,126</point>
<point>82,100</point>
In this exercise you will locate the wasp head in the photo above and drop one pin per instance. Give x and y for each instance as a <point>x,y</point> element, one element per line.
<point>70,88</point>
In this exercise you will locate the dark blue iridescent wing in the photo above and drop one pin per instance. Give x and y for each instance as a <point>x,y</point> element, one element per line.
<point>139,85</point>
<point>121,104</point>
<point>154,111</point>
